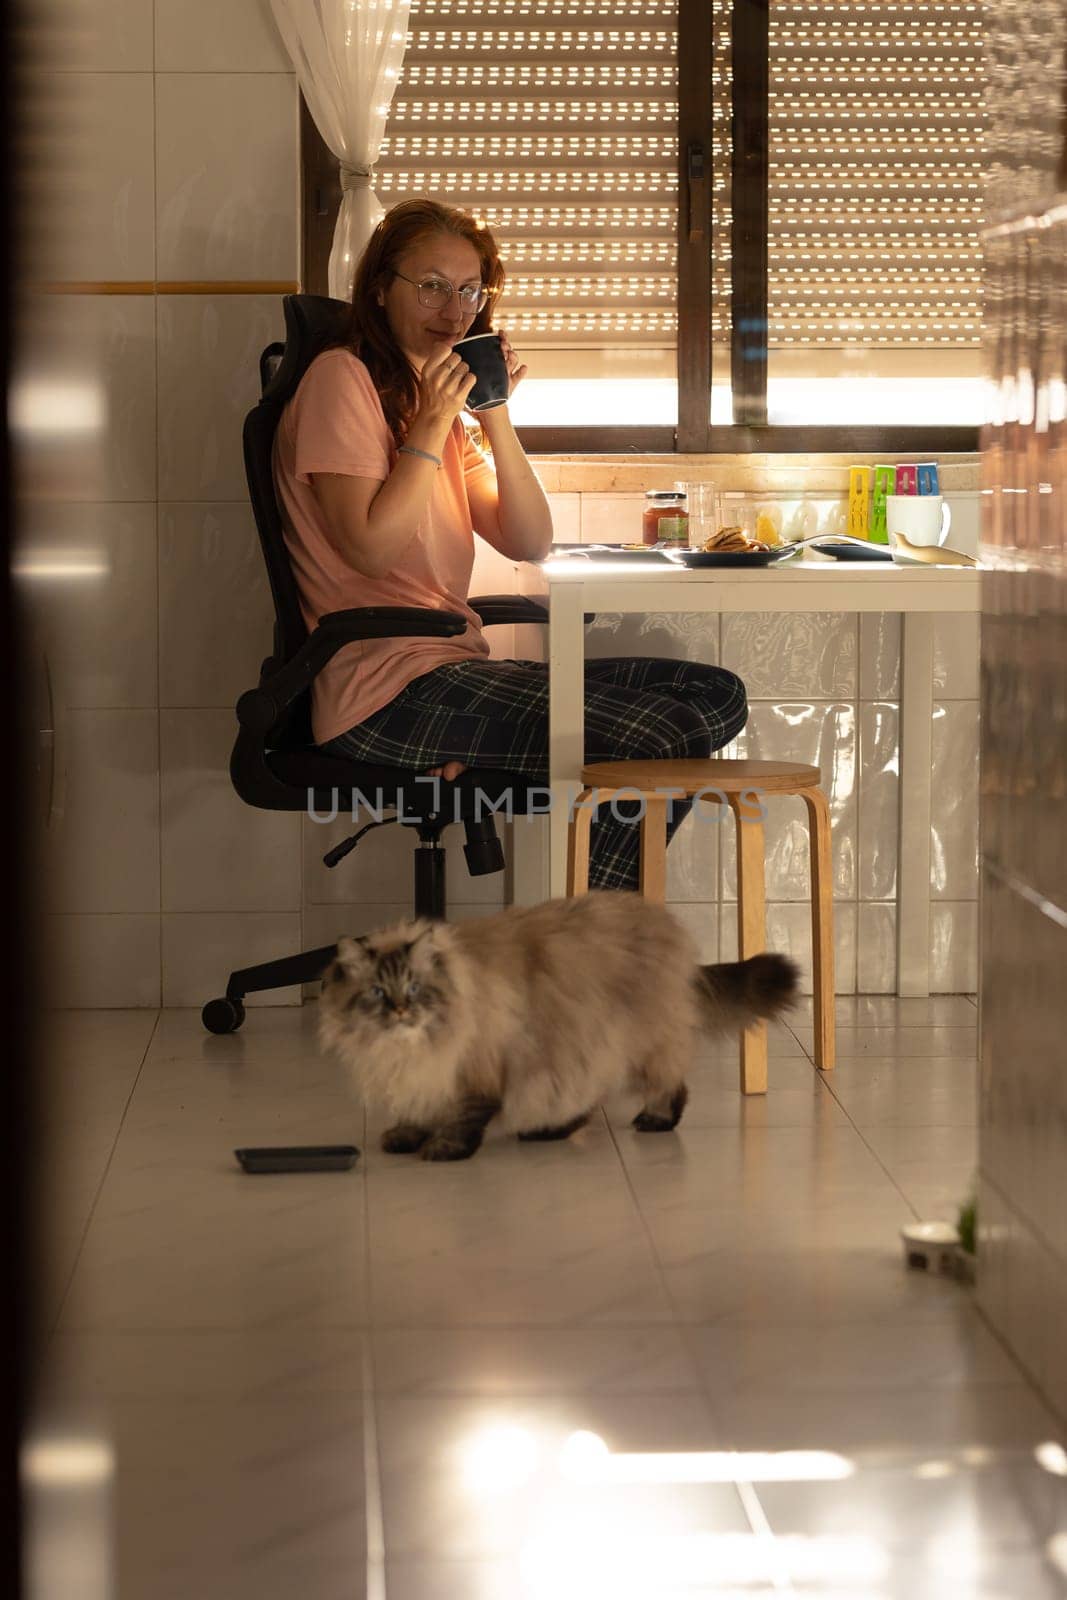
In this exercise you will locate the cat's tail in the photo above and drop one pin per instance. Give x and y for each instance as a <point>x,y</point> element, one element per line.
<point>735,994</point>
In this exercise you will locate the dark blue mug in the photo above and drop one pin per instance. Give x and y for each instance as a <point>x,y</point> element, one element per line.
<point>484,356</point>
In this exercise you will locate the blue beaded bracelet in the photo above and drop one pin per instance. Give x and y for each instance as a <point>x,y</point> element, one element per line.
<point>411,450</point>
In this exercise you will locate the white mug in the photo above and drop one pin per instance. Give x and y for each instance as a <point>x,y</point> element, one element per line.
<point>918,518</point>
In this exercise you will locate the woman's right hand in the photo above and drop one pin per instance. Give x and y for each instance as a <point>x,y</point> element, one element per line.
<point>444,385</point>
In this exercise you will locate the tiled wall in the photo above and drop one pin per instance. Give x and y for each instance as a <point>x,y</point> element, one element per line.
<point>1022,1206</point>
<point>823,689</point>
<point>158,879</point>
<point>152,866</point>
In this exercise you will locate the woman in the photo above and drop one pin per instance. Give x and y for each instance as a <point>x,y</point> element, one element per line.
<point>380,488</point>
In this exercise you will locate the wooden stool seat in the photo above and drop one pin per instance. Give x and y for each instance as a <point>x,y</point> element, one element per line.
<point>690,777</point>
<point>742,785</point>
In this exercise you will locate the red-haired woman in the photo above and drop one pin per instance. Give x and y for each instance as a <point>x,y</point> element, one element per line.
<point>380,489</point>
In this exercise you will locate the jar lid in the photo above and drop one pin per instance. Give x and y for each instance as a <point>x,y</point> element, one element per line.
<point>665,494</point>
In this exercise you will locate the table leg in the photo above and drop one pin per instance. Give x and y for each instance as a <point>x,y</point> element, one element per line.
<point>566,721</point>
<point>913,856</point>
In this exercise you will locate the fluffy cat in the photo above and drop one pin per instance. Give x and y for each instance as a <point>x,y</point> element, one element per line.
<point>533,1015</point>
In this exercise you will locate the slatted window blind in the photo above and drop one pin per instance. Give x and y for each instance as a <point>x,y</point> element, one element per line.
<point>875,140</point>
<point>876,171</point>
<point>556,121</point>
<point>859,288</point>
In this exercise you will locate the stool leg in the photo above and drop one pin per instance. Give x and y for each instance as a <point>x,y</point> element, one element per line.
<point>751,935</point>
<point>578,842</point>
<point>652,883</point>
<point>822,926</point>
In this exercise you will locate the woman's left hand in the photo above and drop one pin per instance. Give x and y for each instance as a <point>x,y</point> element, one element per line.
<point>516,371</point>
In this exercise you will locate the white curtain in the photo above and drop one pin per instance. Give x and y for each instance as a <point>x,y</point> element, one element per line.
<point>347,55</point>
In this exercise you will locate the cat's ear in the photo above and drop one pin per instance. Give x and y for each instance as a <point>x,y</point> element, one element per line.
<point>427,941</point>
<point>352,948</point>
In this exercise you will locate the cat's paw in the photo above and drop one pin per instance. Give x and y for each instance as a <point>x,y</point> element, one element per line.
<point>648,1122</point>
<point>442,1148</point>
<point>404,1139</point>
<point>563,1131</point>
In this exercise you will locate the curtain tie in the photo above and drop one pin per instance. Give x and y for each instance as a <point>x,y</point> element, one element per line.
<point>356,178</point>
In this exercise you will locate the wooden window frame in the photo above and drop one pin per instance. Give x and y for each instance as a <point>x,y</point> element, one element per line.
<point>694,433</point>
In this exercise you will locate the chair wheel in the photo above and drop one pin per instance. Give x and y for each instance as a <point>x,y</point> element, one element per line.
<point>223,1016</point>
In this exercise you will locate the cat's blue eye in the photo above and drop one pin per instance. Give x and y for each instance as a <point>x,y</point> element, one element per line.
<point>413,990</point>
<point>377,992</point>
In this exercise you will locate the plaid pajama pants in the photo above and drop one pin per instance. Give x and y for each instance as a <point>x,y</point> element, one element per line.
<point>494,714</point>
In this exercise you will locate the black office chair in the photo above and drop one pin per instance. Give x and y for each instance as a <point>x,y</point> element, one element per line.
<point>275,764</point>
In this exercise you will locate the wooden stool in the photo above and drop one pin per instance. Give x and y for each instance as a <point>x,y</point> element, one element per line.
<point>742,784</point>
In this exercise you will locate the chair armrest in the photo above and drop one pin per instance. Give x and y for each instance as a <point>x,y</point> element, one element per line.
<point>494,608</point>
<point>260,709</point>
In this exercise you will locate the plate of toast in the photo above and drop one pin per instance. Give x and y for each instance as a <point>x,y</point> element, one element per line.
<point>732,547</point>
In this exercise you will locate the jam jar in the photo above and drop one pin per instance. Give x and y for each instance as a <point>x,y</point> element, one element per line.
<point>666,519</point>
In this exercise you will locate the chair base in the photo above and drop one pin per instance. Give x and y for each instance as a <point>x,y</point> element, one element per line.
<point>225,1015</point>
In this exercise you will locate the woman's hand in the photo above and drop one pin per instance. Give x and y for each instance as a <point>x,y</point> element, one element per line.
<point>444,384</point>
<point>516,372</point>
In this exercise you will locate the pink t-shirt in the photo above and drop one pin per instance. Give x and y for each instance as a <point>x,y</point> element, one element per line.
<point>335,423</point>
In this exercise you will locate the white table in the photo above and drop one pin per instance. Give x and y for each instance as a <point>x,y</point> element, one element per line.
<point>572,587</point>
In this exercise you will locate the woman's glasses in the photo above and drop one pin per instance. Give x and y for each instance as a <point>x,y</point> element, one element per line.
<point>435,292</point>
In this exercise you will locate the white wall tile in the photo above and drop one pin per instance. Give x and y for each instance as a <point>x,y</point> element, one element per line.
<point>954,801</point>
<point>566,517</point>
<point>95,594</point>
<point>129,375</point>
<point>702,921</point>
<point>954,947</point>
<point>956,657</point>
<point>226,163</point>
<point>101,367</point>
<point>963,534</point>
<point>789,931</point>
<point>209,349</point>
<point>879,799</point>
<point>120,38</point>
<point>116,236</point>
<point>823,736</point>
<point>676,636</point>
<point>102,853</point>
<point>495,574</point>
<point>219,854</point>
<point>880,655</point>
<point>611,518</point>
<point>693,857</point>
<point>215,611</point>
<point>104,961</point>
<point>200,950</point>
<point>492,572</point>
<point>876,948</point>
<point>326,924</point>
<point>379,871</point>
<point>795,653</point>
<point>200,36</point>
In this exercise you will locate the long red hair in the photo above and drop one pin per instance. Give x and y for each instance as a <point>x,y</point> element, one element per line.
<point>369,334</point>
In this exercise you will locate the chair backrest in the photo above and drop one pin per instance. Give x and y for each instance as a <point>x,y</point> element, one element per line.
<point>312,324</point>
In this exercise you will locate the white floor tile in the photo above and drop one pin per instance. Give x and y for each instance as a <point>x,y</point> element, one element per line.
<point>738,1283</point>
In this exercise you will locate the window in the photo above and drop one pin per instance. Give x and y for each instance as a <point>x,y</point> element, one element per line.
<point>870,259</point>
<point>750,224</point>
